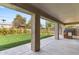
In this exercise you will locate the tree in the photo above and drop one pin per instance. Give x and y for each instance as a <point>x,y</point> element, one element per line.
<point>4,31</point>
<point>48,27</point>
<point>3,20</point>
<point>29,24</point>
<point>19,21</point>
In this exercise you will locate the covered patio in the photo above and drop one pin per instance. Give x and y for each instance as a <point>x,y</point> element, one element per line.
<point>62,14</point>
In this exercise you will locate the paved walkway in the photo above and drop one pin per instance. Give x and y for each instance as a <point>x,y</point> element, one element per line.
<point>49,46</point>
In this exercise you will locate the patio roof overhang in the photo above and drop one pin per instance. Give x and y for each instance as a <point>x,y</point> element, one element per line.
<point>64,13</point>
<point>67,13</point>
<point>36,10</point>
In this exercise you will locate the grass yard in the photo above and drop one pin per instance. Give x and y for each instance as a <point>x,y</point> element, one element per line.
<point>8,39</point>
<point>13,40</point>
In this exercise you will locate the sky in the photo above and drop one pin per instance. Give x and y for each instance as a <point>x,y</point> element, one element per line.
<point>10,14</point>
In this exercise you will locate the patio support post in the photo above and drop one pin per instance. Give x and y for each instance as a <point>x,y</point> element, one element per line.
<point>35,45</point>
<point>57,31</point>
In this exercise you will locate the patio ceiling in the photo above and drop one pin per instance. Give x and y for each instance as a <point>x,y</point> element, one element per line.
<point>67,13</point>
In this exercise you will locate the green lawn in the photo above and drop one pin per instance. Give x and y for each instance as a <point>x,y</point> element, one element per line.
<point>13,40</point>
<point>8,39</point>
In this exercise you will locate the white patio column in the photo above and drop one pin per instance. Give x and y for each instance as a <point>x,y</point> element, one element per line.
<point>57,31</point>
<point>35,45</point>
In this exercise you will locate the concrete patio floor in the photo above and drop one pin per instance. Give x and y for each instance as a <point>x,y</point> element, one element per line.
<point>49,46</point>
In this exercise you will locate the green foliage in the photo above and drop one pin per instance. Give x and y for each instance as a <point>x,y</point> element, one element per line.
<point>29,24</point>
<point>19,21</point>
<point>49,26</point>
